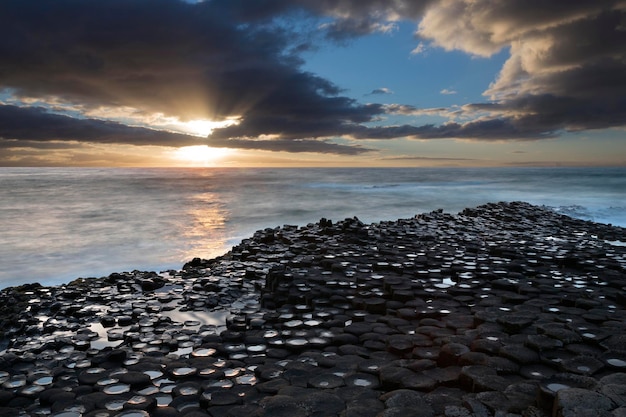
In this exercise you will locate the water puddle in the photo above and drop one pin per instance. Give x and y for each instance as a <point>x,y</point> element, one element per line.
<point>198,318</point>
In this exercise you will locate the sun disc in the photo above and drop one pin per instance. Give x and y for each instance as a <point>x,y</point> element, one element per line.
<point>201,155</point>
<point>203,127</point>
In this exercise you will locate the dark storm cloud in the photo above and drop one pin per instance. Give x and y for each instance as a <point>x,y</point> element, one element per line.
<point>289,145</point>
<point>35,127</point>
<point>17,144</point>
<point>212,59</point>
<point>155,55</point>
<point>484,129</point>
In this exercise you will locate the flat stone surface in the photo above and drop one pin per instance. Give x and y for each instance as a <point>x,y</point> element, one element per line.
<point>404,398</point>
<point>577,400</point>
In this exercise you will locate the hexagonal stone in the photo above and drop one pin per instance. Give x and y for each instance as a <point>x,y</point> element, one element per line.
<point>450,353</point>
<point>616,392</point>
<point>326,381</point>
<point>323,403</point>
<point>578,401</point>
<point>405,398</point>
<point>478,378</point>
<point>519,353</point>
<point>583,365</point>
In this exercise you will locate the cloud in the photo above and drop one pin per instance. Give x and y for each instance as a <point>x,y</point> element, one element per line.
<point>419,49</point>
<point>566,66</point>
<point>447,91</point>
<point>483,129</point>
<point>345,9</point>
<point>423,158</point>
<point>407,110</point>
<point>79,154</point>
<point>36,127</point>
<point>210,59</point>
<point>289,145</point>
<point>343,29</point>
<point>483,27</point>
<point>380,91</point>
<point>220,59</point>
<point>33,144</point>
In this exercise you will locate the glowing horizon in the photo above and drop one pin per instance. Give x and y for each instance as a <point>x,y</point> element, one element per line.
<point>201,155</point>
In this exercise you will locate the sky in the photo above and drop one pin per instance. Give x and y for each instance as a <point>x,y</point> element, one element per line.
<point>238,83</point>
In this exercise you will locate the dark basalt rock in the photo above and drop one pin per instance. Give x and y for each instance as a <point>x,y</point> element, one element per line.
<point>504,308</point>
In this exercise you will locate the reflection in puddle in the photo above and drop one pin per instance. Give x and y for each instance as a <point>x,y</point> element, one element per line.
<point>113,337</point>
<point>554,387</point>
<point>198,318</point>
<point>103,341</point>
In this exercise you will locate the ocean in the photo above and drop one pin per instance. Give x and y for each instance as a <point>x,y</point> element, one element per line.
<point>58,224</point>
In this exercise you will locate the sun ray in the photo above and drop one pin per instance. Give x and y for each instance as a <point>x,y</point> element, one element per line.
<point>204,127</point>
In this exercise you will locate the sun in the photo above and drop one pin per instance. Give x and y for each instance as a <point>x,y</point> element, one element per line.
<point>201,155</point>
<point>201,127</point>
<point>204,127</point>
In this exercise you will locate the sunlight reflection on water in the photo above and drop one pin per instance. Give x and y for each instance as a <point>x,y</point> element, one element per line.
<point>207,231</point>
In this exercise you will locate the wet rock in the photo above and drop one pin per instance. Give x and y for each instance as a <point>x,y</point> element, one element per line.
<point>281,406</point>
<point>272,386</point>
<point>405,399</point>
<point>616,393</point>
<point>362,380</point>
<point>219,398</point>
<point>519,353</point>
<point>479,378</point>
<point>495,401</point>
<point>135,380</point>
<point>392,377</point>
<point>405,412</point>
<point>619,412</point>
<point>450,354</point>
<point>616,343</point>
<point>323,403</point>
<point>522,396</point>
<point>504,308</point>
<point>326,381</point>
<point>584,365</point>
<point>360,411</point>
<point>445,376</point>
<point>541,342</point>
<point>550,387</point>
<point>578,402</point>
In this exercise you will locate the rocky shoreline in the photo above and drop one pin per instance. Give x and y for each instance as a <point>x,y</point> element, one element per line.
<point>506,309</point>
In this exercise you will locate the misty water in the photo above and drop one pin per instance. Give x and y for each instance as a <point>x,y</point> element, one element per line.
<point>57,224</point>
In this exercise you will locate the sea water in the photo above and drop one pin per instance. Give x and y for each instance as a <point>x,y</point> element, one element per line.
<point>57,224</point>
